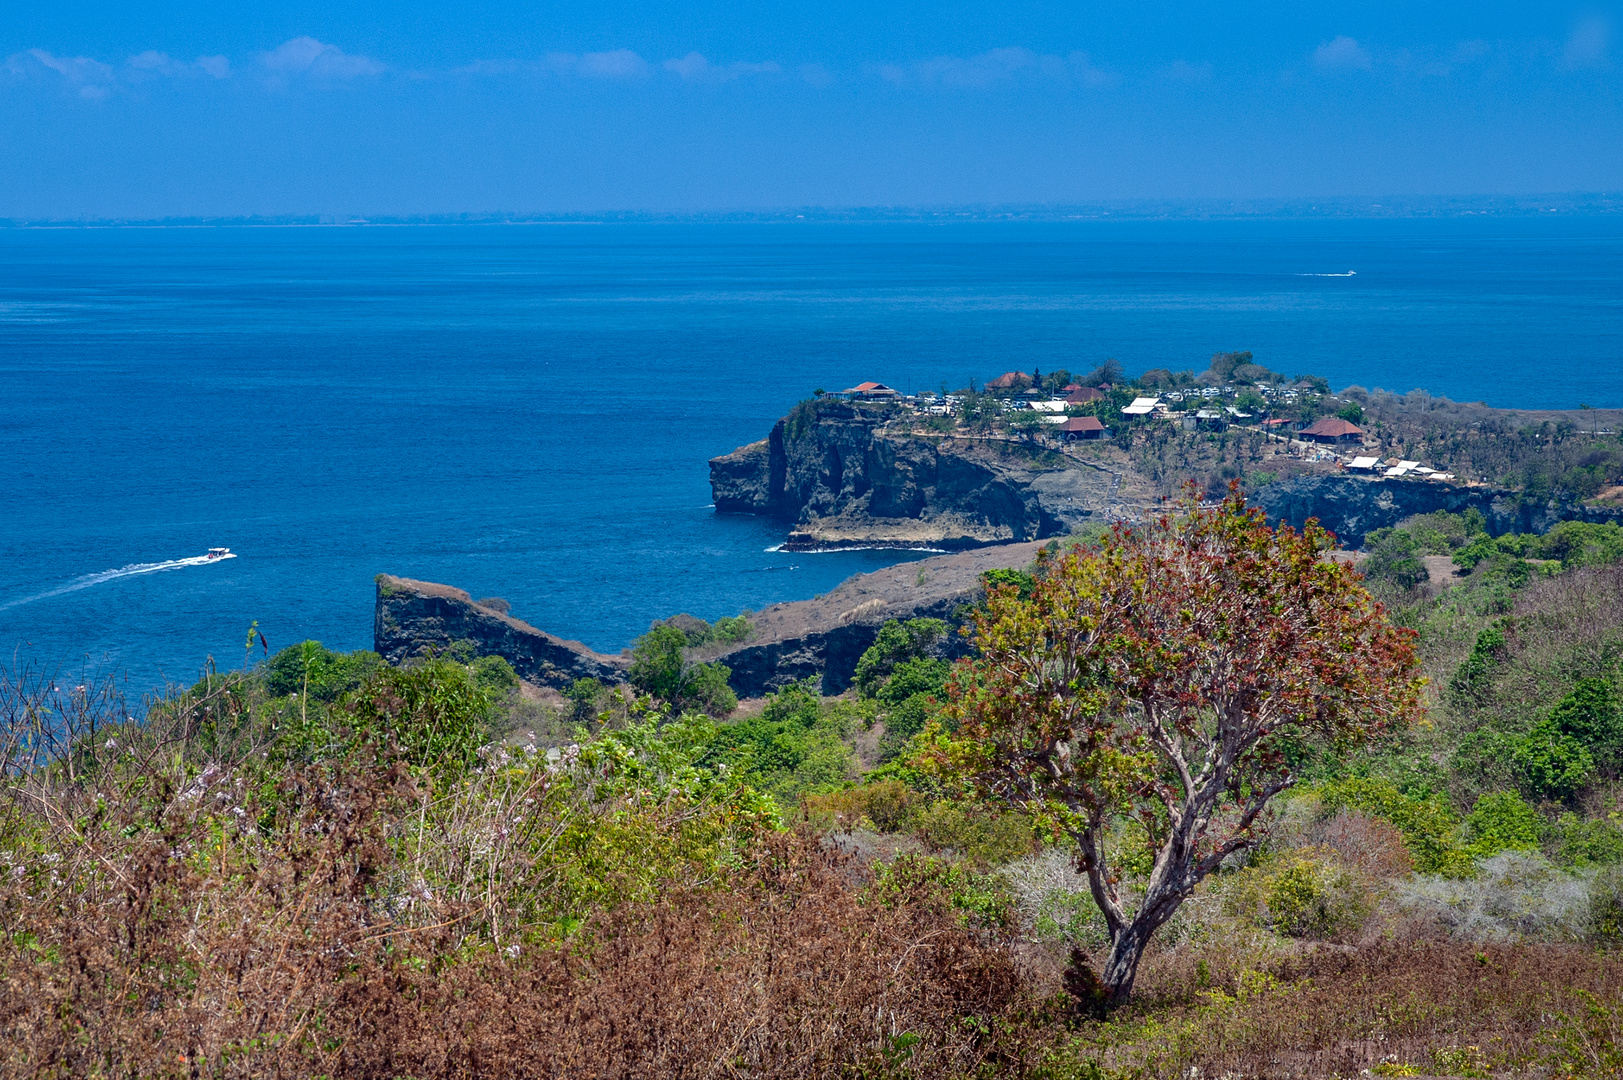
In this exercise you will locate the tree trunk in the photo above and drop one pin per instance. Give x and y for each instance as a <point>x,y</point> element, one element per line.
<point>1121,963</point>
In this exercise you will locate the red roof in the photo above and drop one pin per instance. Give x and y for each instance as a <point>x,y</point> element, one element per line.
<point>1008,380</point>
<point>1073,387</point>
<point>870,386</point>
<point>1333,427</point>
<point>1082,423</point>
<point>1083,395</point>
<point>1274,423</point>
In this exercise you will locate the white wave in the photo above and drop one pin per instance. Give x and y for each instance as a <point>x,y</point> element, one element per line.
<point>133,570</point>
<point>1349,273</point>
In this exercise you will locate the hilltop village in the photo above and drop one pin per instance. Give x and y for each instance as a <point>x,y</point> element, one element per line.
<point>1300,413</point>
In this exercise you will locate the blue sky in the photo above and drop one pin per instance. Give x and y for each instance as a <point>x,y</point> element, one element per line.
<point>147,110</point>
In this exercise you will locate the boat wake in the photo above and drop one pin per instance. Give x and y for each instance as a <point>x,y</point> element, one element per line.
<point>1349,273</point>
<point>133,570</point>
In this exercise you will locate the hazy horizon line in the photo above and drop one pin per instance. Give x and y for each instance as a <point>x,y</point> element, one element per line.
<point>1142,209</point>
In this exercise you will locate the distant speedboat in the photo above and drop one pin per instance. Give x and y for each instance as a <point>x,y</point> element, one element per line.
<point>219,553</point>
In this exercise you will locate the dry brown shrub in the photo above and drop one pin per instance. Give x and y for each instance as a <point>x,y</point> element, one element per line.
<point>884,803</point>
<point>1366,844</point>
<point>1331,1010</point>
<point>788,976</point>
<point>173,963</point>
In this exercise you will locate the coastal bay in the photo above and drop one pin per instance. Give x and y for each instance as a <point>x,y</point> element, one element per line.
<point>527,411</point>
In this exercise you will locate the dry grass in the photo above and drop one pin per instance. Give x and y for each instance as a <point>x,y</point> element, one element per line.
<point>181,911</point>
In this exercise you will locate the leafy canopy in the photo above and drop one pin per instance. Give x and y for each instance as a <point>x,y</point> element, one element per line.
<point>1164,676</point>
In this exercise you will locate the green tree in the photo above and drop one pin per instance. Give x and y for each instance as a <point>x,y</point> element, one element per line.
<point>1352,412</point>
<point>657,662</point>
<point>1593,714</point>
<point>896,642</point>
<point>1549,763</point>
<point>1162,677</point>
<point>660,668</point>
<point>1019,580</point>
<point>1395,559</point>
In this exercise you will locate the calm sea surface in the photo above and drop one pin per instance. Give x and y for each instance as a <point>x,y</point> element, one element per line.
<point>526,411</point>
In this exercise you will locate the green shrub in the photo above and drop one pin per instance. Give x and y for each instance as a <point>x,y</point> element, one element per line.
<point>1481,546</point>
<point>732,629</point>
<point>435,715</point>
<point>656,662</point>
<point>1474,676</point>
<point>308,667</point>
<point>982,836</point>
<point>896,643</point>
<point>982,900</point>
<point>1307,893</point>
<point>1550,764</point>
<point>795,746</point>
<point>1606,906</point>
<point>1394,559</point>
<point>705,688</point>
<point>1584,842</point>
<point>494,675</point>
<point>1582,543</point>
<point>1021,581</point>
<point>907,700</point>
<point>1428,825</point>
<point>1501,821</point>
<point>585,699</point>
<point>1593,714</point>
<point>660,669</point>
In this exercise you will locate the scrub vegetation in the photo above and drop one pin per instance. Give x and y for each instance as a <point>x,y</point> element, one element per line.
<point>1200,799</point>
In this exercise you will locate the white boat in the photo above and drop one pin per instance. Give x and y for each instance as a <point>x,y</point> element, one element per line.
<point>219,553</point>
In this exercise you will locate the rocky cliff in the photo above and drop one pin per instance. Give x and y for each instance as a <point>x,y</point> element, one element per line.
<point>821,638</point>
<point>825,637</point>
<point>1353,506</point>
<point>411,616</point>
<point>835,471</point>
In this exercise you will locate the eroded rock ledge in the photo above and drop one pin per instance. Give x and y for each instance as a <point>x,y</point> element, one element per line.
<point>411,616</point>
<point>1353,506</point>
<point>834,471</point>
<point>821,638</point>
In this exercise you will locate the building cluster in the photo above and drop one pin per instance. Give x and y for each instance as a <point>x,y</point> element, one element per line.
<point>1328,438</point>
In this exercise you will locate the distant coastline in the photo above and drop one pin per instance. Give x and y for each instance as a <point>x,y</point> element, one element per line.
<point>1394,206</point>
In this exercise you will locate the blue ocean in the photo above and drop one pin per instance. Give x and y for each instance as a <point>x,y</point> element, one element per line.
<point>526,411</point>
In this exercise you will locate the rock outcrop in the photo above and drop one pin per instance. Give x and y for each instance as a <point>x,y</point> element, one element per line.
<point>412,616</point>
<point>836,473</point>
<point>1354,506</point>
<point>821,638</point>
<point>824,638</point>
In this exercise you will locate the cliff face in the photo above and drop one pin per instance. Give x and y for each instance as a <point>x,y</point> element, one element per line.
<point>824,638</point>
<point>821,638</point>
<point>411,615</point>
<point>1353,506</point>
<point>832,470</point>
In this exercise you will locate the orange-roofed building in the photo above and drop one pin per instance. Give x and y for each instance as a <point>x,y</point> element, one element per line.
<point>872,390</point>
<point>1082,427</point>
<point>1010,380</point>
<point>1333,429</point>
